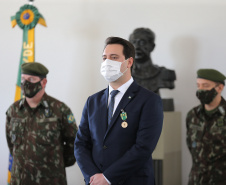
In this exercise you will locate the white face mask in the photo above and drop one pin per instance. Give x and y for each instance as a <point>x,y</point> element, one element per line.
<point>110,70</point>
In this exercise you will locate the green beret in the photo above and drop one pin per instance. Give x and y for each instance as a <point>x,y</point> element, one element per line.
<point>211,74</point>
<point>34,68</point>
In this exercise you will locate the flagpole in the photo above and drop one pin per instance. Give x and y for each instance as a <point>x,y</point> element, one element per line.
<point>26,18</point>
<point>31,2</point>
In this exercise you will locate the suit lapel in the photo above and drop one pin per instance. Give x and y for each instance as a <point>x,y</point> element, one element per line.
<point>103,112</point>
<point>127,97</point>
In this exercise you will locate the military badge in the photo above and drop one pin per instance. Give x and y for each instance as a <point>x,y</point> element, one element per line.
<point>71,118</point>
<point>194,144</point>
<point>220,122</point>
<point>124,124</point>
<point>124,117</point>
<point>13,139</point>
<point>47,113</point>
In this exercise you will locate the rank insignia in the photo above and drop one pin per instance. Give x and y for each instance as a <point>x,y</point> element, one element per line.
<point>70,118</point>
<point>220,122</point>
<point>47,113</point>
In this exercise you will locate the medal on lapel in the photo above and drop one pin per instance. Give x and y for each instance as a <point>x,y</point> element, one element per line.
<point>124,117</point>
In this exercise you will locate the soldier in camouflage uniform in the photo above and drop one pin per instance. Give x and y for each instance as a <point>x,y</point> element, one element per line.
<point>40,132</point>
<point>206,131</point>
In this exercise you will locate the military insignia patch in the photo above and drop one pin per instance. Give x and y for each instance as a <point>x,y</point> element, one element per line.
<point>13,139</point>
<point>47,113</point>
<point>194,144</point>
<point>70,118</point>
<point>220,122</point>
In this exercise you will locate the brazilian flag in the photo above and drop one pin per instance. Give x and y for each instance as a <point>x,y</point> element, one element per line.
<point>26,18</point>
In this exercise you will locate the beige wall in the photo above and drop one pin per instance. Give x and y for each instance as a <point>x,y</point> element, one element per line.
<point>190,35</point>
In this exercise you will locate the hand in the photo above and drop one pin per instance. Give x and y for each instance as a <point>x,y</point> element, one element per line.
<point>98,179</point>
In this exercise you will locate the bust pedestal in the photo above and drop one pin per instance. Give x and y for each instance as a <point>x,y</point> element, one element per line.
<point>167,154</point>
<point>168,104</point>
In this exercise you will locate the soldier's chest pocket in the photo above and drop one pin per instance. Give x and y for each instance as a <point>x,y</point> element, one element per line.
<point>196,131</point>
<point>48,131</point>
<point>17,130</point>
<point>219,133</point>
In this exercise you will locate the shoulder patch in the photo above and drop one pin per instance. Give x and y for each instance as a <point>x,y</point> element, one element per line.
<point>70,118</point>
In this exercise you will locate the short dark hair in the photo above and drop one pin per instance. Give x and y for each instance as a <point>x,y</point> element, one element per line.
<point>128,48</point>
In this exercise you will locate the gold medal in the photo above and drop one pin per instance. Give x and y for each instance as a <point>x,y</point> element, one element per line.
<point>124,124</point>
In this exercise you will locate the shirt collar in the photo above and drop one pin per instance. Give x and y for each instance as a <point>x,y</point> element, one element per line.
<point>221,108</point>
<point>22,102</point>
<point>43,102</point>
<point>123,88</point>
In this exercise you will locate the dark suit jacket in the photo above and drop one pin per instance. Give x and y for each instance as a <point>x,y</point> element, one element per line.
<point>123,155</point>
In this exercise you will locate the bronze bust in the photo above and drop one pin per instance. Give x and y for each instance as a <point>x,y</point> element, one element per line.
<point>145,73</point>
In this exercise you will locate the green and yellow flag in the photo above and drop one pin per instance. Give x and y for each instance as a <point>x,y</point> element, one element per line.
<point>26,18</point>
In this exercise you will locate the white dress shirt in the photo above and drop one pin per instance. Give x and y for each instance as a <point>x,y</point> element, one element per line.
<point>122,89</point>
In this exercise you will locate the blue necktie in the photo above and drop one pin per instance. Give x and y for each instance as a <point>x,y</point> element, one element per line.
<point>111,105</point>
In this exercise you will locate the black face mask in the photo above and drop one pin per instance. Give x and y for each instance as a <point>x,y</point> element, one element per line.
<point>31,89</point>
<point>206,96</point>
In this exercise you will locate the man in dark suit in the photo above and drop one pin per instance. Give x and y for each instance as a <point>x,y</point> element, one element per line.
<point>120,125</point>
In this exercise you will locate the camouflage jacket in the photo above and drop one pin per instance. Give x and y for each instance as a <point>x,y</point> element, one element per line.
<point>206,140</point>
<point>41,141</point>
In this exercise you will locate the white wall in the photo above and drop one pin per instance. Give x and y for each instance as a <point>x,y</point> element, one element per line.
<point>190,35</point>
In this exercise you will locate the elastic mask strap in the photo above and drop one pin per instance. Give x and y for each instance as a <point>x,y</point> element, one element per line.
<point>125,70</point>
<point>127,67</point>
